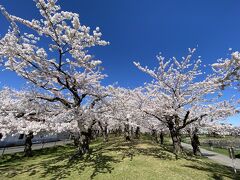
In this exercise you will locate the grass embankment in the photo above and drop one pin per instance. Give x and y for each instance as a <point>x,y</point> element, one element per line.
<point>115,160</point>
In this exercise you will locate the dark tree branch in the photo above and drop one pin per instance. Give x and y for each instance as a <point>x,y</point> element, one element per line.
<point>191,121</point>
<point>158,118</point>
<point>55,99</point>
<point>186,117</point>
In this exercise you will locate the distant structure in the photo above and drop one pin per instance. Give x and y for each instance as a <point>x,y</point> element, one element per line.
<point>19,139</point>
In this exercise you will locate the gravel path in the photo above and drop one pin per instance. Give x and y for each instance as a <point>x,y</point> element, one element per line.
<point>219,158</point>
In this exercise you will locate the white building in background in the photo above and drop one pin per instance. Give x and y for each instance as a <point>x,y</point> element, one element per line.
<point>19,139</point>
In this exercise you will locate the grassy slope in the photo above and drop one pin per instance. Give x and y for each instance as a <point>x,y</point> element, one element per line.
<point>114,160</point>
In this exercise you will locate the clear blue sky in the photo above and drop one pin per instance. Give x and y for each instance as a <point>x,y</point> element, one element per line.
<point>140,29</point>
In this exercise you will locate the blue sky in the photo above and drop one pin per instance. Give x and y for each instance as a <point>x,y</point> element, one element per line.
<point>139,29</point>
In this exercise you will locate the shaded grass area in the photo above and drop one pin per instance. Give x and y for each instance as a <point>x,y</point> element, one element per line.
<point>115,159</point>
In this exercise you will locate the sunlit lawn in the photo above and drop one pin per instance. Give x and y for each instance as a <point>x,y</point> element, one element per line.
<point>114,160</point>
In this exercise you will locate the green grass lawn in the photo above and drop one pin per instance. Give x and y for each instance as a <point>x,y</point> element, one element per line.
<point>115,160</point>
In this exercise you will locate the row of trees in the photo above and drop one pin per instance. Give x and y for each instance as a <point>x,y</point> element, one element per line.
<point>67,96</point>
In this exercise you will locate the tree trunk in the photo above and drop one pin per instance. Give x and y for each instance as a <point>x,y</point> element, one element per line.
<point>154,135</point>
<point>76,140</point>
<point>175,135</point>
<point>177,147</point>
<point>161,138</point>
<point>119,131</point>
<point>28,145</point>
<point>195,142</point>
<point>137,133</point>
<point>84,141</point>
<point>97,133</point>
<point>105,133</point>
<point>132,132</point>
<point>127,132</point>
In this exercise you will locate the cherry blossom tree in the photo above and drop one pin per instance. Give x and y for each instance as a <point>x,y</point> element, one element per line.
<point>21,113</point>
<point>228,70</point>
<point>63,70</point>
<point>180,95</point>
<point>220,129</point>
<point>125,107</point>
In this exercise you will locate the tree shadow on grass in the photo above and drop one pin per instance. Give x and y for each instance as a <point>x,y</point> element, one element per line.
<point>60,168</point>
<point>237,156</point>
<point>130,150</point>
<point>47,152</point>
<point>166,149</point>
<point>218,172</point>
<point>56,164</point>
<point>12,165</point>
